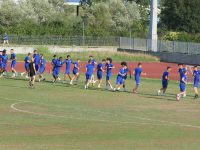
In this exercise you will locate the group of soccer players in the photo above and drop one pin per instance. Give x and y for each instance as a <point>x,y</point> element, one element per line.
<point>36,64</point>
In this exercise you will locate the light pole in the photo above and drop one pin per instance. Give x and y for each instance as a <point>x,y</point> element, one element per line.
<point>153,37</point>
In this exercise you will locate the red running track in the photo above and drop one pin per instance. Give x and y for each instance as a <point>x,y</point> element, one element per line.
<point>153,69</point>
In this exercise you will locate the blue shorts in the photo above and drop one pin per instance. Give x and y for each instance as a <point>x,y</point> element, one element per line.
<point>164,84</point>
<point>88,76</point>
<point>41,70</point>
<point>67,72</point>
<point>182,87</point>
<point>1,65</point>
<point>137,80</point>
<point>13,64</point>
<point>196,84</point>
<point>125,77</point>
<point>26,66</point>
<point>108,76</point>
<point>75,72</point>
<point>55,73</point>
<point>119,80</point>
<point>36,67</point>
<point>99,75</point>
<point>4,66</point>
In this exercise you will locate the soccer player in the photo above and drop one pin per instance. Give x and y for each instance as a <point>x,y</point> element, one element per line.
<point>165,80</point>
<point>196,74</point>
<point>125,77</point>
<point>53,62</point>
<point>100,71</point>
<point>182,85</point>
<point>27,60</point>
<point>42,67</point>
<point>13,63</point>
<point>181,70</point>
<point>75,71</point>
<point>4,62</point>
<point>109,67</point>
<point>138,72</point>
<point>89,73</point>
<point>68,62</point>
<point>57,68</point>
<point>0,63</point>
<point>93,61</point>
<point>120,76</point>
<point>32,72</point>
<point>36,57</point>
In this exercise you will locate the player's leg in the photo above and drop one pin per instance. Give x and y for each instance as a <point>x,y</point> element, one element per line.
<point>196,92</point>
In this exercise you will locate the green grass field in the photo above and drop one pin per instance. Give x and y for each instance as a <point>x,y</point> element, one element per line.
<point>64,117</point>
<point>83,56</point>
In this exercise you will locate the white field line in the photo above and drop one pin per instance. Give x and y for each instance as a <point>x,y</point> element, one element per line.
<point>164,123</point>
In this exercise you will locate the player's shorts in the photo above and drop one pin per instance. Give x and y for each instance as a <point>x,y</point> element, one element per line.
<point>125,77</point>
<point>13,64</point>
<point>41,70</point>
<point>164,84</point>
<point>1,65</point>
<point>26,66</point>
<point>108,76</point>
<point>196,84</point>
<point>137,81</point>
<point>67,72</point>
<point>99,75</point>
<point>182,87</point>
<point>119,80</point>
<point>36,67</point>
<point>31,74</point>
<point>4,66</point>
<point>75,71</point>
<point>88,76</point>
<point>55,73</point>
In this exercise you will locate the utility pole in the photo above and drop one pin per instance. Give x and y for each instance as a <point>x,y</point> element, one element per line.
<point>153,36</point>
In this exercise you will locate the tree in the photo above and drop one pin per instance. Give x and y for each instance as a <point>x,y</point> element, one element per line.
<point>181,15</point>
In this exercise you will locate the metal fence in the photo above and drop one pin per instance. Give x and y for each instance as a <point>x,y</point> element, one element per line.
<point>162,46</point>
<point>63,40</point>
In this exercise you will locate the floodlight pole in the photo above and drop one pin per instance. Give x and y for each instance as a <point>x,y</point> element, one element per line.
<point>153,36</point>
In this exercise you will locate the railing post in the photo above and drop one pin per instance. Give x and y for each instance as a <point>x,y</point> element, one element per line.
<point>174,49</point>
<point>188,49</point>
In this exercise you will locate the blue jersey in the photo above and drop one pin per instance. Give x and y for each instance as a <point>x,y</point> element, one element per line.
<point>13,57</point>
<point>126,71</point>
<point>165,75</point>
<point>100,67</point>
<point>181,71</point>
<point>121,72</point>
<point>27,60</point>
<point>196,75</point>
<point>138,72</point>
<point>90,69</point>
<point>4,59</point>
<point>53,61</point>
<point>42,63</point>
<point>0,59</point>
<point>58,65</point>
<point>76,66</point>
<point>183,77</point>
<point>109,69</point>
<point>36,59</point>
<point>93,62</point>
<point>68,64</point>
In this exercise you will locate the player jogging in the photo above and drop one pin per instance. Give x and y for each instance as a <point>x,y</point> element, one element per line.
<point>138,72</point>
<point>57,68</point>
<point>36,57</point>
<point>75,71</point>
<point>109,67</point>
<point>68,62</point>
<point>165,80</point>
<point>32,72</point>
<point>89,73</point>
<point>4,62</point>
<point>100,70</point>
<point>42,67</point>
<point>13,60</point>
<point>27,60</point>
<point>196,75</point>
<point>182,85</point>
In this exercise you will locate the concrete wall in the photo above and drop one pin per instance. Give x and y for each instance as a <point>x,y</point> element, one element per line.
<point>57,49</point>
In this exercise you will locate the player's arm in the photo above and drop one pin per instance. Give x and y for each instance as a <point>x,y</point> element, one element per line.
<point>143,73</point>
<point>184,81</point>
<point>34,68</point>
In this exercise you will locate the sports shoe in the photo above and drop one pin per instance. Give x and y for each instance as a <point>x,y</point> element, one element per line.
<point>158,93</point>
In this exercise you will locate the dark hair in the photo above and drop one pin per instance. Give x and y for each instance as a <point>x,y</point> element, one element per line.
<point>68,56</point>
<point>180,64</point>
<point>89,61</point>
<point>90,56</point>
<point>54,56</point>
<point>168,67</point>
<point>103,60</point>
<point>109,59</point>
<point>78,58</point>
<point>60,57</point>
<point>139,64</point>
<point>195,66</point>
<point>123,63</point>
<point>29,54</point>
<point>41,55</point>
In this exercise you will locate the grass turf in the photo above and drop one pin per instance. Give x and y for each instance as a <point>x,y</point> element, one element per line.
<point>83,56</point>
<point>61,117</point>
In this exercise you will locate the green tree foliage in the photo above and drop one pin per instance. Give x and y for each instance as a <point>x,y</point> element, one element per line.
<point>181,15</point>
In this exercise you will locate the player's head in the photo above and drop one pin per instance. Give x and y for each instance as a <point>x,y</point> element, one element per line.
<point>109,60</point>
<point>54,56</point>
<point>29,54</point>
<point>78,60</point>
<point>60,58</point>
<point>89,61</point>
<point>91,57</point>
<point>4,51</point>
<point>68,56</point>
<point>140,65</point>
<point>12,51</point>
<point>41,56</point>
<point>180,65</point>
<point>123,64</point>
<point>195,68</point>
<point>103,61</point>
<point>169,68</point>
<point>35,51</point>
